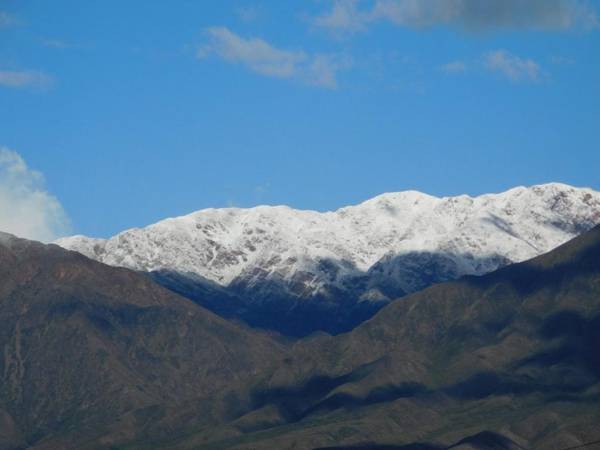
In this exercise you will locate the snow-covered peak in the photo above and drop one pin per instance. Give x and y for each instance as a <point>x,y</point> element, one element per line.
<point>316,249</point>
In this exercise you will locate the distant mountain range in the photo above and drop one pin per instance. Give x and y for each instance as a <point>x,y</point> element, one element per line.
<point>297,272</point>
<point>97,357</point>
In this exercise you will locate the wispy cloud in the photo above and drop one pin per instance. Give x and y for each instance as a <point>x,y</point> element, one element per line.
<point>474,15</point>
<point>512,67</point>
<point>561,60</point>
<point>7,20</point>
<point>24,78</point>
<point>249,14</point>
<point>26,208</point>
<point>345,15</point>
<point>454,67</point>
<point>255,53</point>
<point>265,59</point>
<point>55,43</point>
<point>322,69</point>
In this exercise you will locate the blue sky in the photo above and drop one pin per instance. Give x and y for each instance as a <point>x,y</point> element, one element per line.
<point>135,111</point>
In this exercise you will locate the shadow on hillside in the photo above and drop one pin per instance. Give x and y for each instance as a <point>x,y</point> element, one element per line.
<point>348,300</point>
<point>374,446</point>
<point>531,276</point>
<point>294,402</point>
<point>576,343</point>
<point>381,394</point>
<point>313,398</point>
<point>268,305</point>
<point>486,440</point>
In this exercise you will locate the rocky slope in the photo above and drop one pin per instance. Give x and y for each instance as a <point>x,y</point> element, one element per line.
<point>300,271</point>
<point>508,360</point>
<point>94,355</point>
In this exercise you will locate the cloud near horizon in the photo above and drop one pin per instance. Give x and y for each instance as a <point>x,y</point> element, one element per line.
<point>263,58</point>
<point>26,209</point>
<point>472,15</point>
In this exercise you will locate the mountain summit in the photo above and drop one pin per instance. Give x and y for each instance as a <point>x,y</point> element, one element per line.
<point>300,271</point>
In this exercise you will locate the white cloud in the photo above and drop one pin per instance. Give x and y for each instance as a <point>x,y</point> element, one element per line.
<point>24,78</point>
<point>26,208</point>
<point>454,67</point>
<point>322,70</point>
<point>512,66</point>
<point>257,54</point>
<point>265,59</point>
<point>348,15</point>
<point>345,15</point>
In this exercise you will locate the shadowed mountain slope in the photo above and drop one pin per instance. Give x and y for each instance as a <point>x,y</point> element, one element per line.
<point>98,357</point>
<point>94,355</point>
<point>512,354</point>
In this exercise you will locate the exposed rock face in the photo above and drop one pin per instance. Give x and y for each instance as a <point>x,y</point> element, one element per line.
<point>342,266</point>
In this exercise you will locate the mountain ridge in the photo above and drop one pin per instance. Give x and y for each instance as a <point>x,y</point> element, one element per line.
<point>502,360</point>
<point>368,254</point>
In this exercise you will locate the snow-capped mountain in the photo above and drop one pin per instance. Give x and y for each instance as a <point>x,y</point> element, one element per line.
<point>390,245</point>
